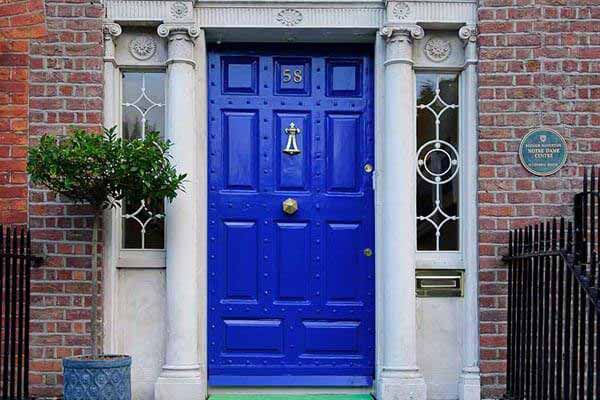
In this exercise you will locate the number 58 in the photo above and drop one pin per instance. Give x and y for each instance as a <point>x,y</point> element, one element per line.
<point>288,75</point>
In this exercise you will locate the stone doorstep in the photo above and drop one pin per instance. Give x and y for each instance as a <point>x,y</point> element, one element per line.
<point>290,397</point>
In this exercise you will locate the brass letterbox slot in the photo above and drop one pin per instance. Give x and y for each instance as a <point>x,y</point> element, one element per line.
<point>440,282</point>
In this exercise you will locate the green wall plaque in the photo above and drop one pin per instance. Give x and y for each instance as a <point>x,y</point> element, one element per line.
<point>543,152</point>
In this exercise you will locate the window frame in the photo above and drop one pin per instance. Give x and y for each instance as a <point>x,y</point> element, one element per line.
<point>135,258</point>
<point>450,259</point>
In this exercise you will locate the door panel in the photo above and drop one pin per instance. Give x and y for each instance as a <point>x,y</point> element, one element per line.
<point>292,243</point>
<point>343,151</point>
<point>290,296</point>
<point>241,261</point>
<point>293,173</point>
<point>240,130</point>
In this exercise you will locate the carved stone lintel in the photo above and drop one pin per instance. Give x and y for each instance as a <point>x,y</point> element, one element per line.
<point>468,33</point>
<point>412,31</point>
<point>111,30</point>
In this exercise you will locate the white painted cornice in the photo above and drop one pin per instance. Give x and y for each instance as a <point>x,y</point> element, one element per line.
<point>367,14</point>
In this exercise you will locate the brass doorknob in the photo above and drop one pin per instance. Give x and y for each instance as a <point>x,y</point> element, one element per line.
<point>290,206</point>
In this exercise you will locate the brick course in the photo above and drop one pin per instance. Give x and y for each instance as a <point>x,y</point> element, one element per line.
<point>20,21</point>
<point>539,66</point>
<point>66,91</point>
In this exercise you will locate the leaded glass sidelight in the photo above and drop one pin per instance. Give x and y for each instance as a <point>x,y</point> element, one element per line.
<point>143,111</point>
<point>438,162</point>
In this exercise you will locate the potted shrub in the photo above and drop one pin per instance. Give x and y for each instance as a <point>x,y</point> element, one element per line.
<point>100,170</point>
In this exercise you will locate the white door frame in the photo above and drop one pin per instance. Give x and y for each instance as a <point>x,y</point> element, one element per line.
<point>284,21</point>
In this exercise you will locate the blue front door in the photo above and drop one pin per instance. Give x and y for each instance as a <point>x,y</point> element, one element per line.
<point>291,271</point>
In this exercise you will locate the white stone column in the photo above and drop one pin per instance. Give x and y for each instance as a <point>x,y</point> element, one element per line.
<point>110,251</point>
<point>470,385</point>
<point>181,376</point>
<point>399,378</point>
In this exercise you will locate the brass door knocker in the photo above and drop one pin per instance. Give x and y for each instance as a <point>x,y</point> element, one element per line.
<point>291,146</point>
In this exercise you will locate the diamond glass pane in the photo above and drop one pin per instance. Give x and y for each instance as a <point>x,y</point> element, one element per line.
<point>143,105</point>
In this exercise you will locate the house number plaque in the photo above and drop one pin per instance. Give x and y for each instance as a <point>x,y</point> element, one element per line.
<point>289,76</point>
<point>543,152</point>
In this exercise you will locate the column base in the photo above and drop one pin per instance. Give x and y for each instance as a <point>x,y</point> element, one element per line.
<point>401,385</point>
<point>469,386</point>
<point>180,384</point>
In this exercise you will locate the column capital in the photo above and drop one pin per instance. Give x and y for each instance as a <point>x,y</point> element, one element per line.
<point>181,41</point>
<point>169,30</point>
<point>399,39</point>
<point>411,31</point>
<point>468,34</point>
<point>110,30</point>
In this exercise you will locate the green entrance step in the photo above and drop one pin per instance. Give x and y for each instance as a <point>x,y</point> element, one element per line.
<point>290,397</point>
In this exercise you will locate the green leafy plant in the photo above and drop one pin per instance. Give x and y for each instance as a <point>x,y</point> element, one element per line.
<point>101,170</point>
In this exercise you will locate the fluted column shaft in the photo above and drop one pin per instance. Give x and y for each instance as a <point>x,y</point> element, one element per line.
<point>111,247</point>
<point>399,377</point>
<point>181,376</point>
<point>470,385</point>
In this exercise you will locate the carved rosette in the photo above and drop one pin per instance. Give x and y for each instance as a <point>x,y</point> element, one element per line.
<point>437,49</point>
<point>142,47</point>
<point>401,11</point>
<point>289,17</point>
<point>178,10</point>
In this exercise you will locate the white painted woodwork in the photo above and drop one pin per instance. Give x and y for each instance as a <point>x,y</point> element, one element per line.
<point>469,384</point>
<point>439,345</point>
<point>399,377</point>
<point>141,310</point>
<point>175,299</point>
<point>110,249</point>
<point>181,377</point>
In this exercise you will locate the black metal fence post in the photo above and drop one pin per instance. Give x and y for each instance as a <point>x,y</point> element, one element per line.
<point>16,261</point>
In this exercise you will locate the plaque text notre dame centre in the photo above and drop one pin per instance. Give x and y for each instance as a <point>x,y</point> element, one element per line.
<point>543,152</point>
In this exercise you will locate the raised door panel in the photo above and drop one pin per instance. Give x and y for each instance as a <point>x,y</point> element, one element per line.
<point>344,133</point>
<point>292,243</point>
<point>240,137</point>
<point>241,261</point>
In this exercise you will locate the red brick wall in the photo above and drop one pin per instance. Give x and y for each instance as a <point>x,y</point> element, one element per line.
<point>539,66</point>
<point>20,21</point>
<point>66,91</point>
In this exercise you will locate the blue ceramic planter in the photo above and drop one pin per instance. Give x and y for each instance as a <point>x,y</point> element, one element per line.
<point>105,379</point>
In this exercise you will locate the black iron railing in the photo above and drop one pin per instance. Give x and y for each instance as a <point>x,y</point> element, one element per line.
<point>554,307</point>
<point>16,262</point>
